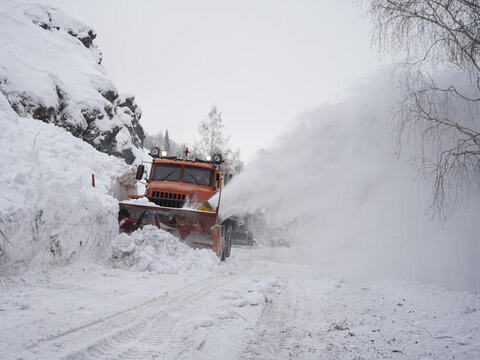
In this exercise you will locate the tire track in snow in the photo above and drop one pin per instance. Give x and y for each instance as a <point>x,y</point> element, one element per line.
<point>284,329</point>
<point>301,344</point>
<point>136,333</point>
<point>64,292</point>
<point>273,329</point>
<point>119,314</point>
<point>172,327</point>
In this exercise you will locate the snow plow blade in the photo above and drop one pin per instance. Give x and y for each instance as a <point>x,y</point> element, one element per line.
<point>186,221</point>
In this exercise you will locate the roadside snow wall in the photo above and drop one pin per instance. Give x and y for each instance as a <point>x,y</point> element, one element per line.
<point>49,211</point>
<point>336,191</point>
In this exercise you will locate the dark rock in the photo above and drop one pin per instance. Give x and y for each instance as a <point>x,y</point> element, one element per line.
<point>88,40</point>
<point>110,95</point>
<point>128,156</point>
<point>46,114</point>
<point>129,102</point>
<point>90,115</point>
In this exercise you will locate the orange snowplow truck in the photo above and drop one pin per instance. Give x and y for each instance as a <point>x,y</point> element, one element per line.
<point>178,191</point>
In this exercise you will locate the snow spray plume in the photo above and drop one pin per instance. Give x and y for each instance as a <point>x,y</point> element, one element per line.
<point>336,191</point>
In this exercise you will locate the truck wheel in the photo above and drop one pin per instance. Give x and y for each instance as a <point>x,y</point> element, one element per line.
<point>229,240</point>
<point>227,236</point>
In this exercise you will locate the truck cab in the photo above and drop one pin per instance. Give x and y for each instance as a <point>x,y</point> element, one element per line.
<point>182,183</point>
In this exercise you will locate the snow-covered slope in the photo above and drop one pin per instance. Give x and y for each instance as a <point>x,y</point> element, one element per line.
<point>50,69</point>
<point>49,211</point>
<point>335,189</point>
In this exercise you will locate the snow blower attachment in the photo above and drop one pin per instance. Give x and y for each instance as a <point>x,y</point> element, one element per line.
<point>178,191</point>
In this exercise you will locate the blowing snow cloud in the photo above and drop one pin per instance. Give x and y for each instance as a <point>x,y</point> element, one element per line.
<point>350,204</point>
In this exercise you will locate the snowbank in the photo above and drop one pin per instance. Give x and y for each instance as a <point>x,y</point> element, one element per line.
<point>152,249</point>
<point>335,189</point>
<point>51,70</point>
<point>49,211</point>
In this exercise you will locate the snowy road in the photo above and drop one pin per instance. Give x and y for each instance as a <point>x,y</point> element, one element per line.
<point>248,308</point>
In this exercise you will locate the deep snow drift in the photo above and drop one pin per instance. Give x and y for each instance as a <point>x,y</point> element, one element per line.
<point>49,211</point>
<point>50,69</point>
<point>335,189</point>
<point>152,249</point>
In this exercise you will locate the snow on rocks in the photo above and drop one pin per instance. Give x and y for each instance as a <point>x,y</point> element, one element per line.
<point>153,249</point>
<point>52,72</point>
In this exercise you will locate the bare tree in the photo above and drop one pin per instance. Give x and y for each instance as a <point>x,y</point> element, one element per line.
<point>212,140</point>
<point>429,36</point>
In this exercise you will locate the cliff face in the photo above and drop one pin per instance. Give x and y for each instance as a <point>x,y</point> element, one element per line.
<point>50,69</point>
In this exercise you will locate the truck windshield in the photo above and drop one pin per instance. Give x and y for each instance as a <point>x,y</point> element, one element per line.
<point>166,172</point>
<point>197,175</point>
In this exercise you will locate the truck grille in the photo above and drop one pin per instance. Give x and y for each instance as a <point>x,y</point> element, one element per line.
<point>163,198</point>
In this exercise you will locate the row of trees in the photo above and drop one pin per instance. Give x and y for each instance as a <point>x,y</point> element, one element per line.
<point>430,38</point>
<point>211,140</point>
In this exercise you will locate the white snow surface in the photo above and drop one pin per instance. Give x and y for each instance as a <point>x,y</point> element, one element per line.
<point>49,211</point>
<point>256,305</point>
<point>153,249</point>
<point>335,188</point>
<point>140,201</point>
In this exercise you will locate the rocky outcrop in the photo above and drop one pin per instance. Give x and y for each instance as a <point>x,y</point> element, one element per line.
<point>53,73</point>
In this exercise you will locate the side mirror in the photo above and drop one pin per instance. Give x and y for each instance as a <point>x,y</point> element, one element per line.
<point>140,171</point>
<point>217,181</point>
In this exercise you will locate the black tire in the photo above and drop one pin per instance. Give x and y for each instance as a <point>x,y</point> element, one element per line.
<point>228,240</point>
<point>227,236</point>
<point>223,256</point>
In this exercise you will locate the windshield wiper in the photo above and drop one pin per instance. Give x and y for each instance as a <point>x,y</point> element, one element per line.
<point>193,177</point>
<point>170,173</point>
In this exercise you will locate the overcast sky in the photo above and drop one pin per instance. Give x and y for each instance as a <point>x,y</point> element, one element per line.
<point>261,62</point>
